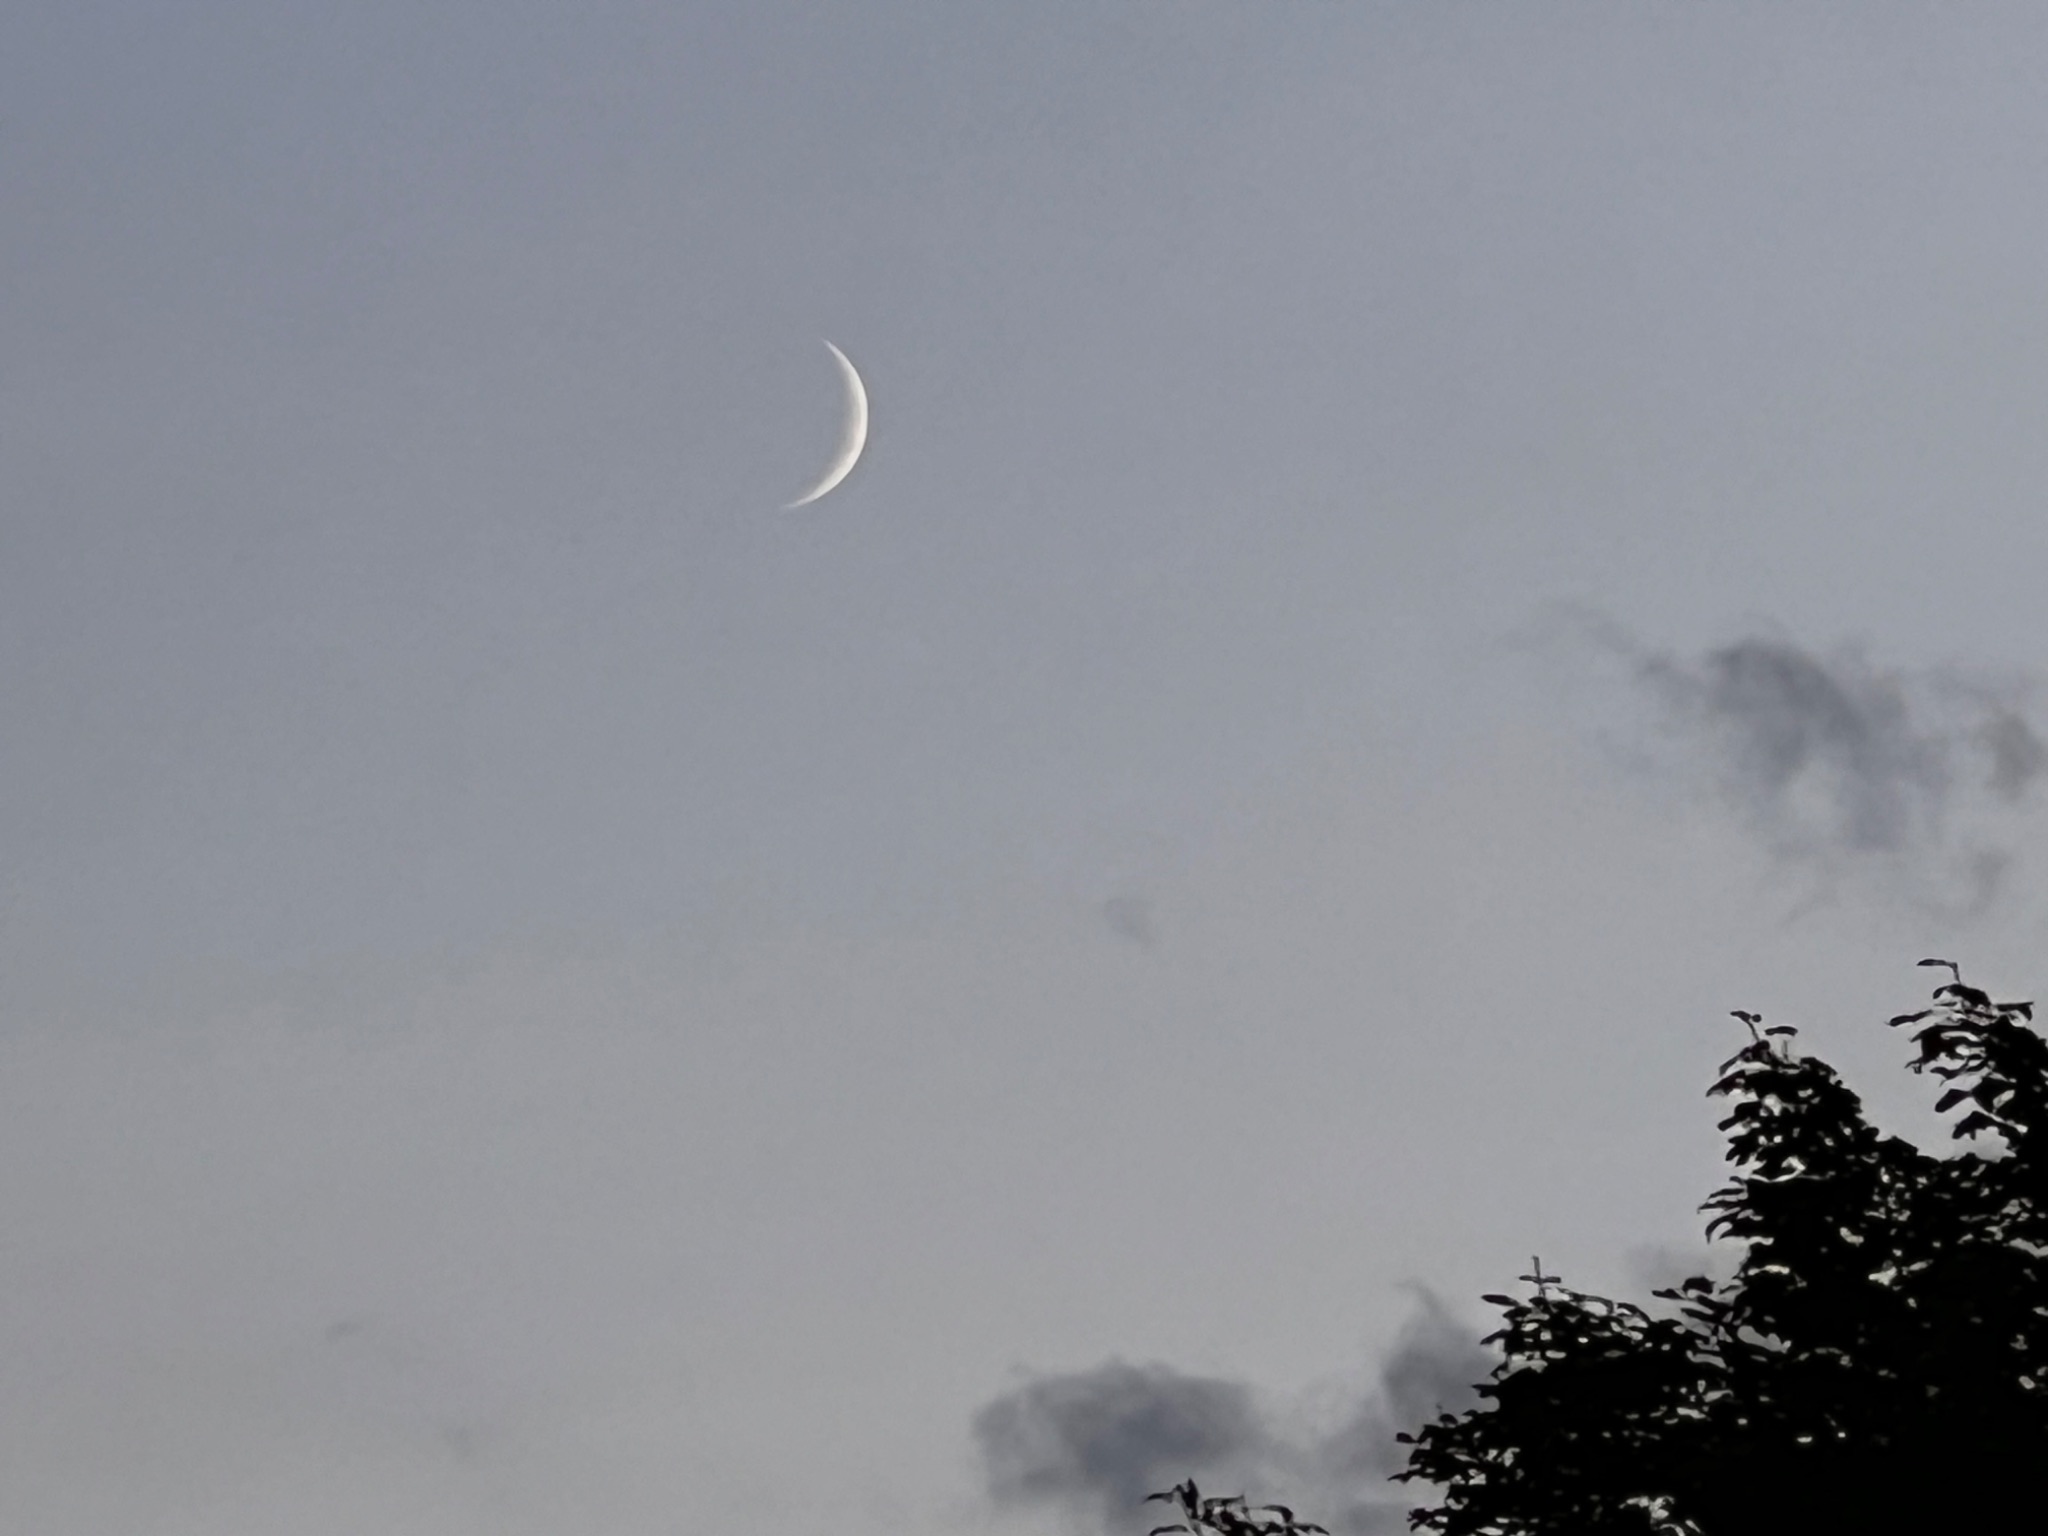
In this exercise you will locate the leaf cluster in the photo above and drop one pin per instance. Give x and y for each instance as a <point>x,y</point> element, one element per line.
<point>1227,1516</point>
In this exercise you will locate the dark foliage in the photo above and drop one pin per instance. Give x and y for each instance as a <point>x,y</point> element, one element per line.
<point>1227,1516</point>
<point>1876,1363</point>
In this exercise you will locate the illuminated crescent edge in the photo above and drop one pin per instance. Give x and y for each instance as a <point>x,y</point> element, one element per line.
<point>851,441</point>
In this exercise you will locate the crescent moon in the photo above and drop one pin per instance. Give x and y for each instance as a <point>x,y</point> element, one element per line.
<point>851,440</point>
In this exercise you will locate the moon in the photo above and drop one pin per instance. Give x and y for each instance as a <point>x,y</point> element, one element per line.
<point>851,441</point>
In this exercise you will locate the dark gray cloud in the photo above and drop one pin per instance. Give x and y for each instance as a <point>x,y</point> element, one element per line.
<point>1837,765</point>
<point>1096,1442</point>
<point>1817,750</point>
<point>1436,1366</point>
<point>1090,1445</point>
<point>2016,754</point>
<point>1433,1368</point>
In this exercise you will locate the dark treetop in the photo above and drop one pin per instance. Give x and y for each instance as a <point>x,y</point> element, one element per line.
<point>1876,1364</point>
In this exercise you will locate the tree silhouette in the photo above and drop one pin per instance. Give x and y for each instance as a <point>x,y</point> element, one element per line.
<point>1877,1363</point>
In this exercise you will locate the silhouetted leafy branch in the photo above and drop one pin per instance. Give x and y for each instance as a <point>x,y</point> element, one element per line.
<point>1875,1364</point>
<point>1230,1516</point>
<point>1878,1362</point>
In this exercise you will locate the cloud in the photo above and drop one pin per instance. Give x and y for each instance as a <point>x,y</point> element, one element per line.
<point>1433,1368</point>
<point>1820,752</point>
<point>2016,753</point>
<point>1131,919</point>
<point>1837,766</point>
<point>1098,1441</point>
<point>1090,1445</point>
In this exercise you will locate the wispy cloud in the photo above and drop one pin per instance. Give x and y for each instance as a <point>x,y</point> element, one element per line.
<point>1090,1445</point>
<point>1433,1368</point>
<point>1837,765</point>
<point>1096,1442</point>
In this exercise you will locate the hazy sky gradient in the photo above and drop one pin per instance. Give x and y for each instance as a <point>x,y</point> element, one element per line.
<point>544,993</point>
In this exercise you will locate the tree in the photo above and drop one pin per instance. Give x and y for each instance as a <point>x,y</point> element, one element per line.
<point>1877,1363</point>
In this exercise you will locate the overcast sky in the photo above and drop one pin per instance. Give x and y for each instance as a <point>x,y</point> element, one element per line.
<point>1410,557</point>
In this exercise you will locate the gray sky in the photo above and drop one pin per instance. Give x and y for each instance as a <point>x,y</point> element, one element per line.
<point>1410,557</point>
